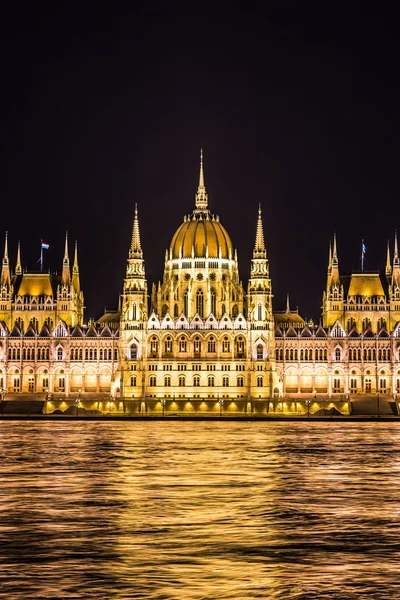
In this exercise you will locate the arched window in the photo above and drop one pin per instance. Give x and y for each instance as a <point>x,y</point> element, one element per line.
<point>115,354</point>
<point>240,345</point>
<point>240,381</point>
<point>59,354</point>
<point>235,310</point>
<point>175,310</point>
<point>225,381</point>
<point>167,381</point>
<point>211,381</point>
<point>164,310</point>
<point>301,354</point>
<point>260,352</point>
<point>134,311</point>
<point>259,312</point>
<point>276,353</point>
<point>196,381</point>
<point>287,354</point>
<point>197,345</point>
<point>213,302</point>
<point>281,354</point>
<point>182,345</point>
<point>325,354</point>
<point>226,346</point>
<point>259,382</point>
<point>154,345</point>
<point>291,354</point>
<point>185,303</point>
<point>338,354</point>
<point>90,353</point>
<point>200,303</point>
<point>133,380</point>
<point>182,381</point>
<point>168,345</point>
<point>133,353</point>
<point>153,381</point>
<point>211,344</point>
<point>223,310</point>
<point>359,354</point>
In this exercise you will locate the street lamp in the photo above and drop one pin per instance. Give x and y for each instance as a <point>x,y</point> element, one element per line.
<point>173,391</point>
<point>77,402</point>
<point>377,405</point>
<point>163,401</point>
<point>221,403</point>
<point>308,402</point>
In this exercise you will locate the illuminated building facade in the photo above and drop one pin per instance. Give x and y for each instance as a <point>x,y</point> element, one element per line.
<point>201,343</point>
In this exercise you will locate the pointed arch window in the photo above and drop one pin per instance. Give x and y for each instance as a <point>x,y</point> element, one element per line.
<point>260,382</point>
<point>211,381</point>
<point>182,345</point>
<point>167,381</point>
<point>185,304</point>
<point>240,346</point>
<point>197,345</point>
<point>133,380</point>
<point>200,303</point>
<point>338,354</point>
<point>226,345</point>
<point>260,351</point>
<point>259,312</point>
<point>59,354</point>
<point>153,381</point>
<point>134,311</point>
<point>225,381</point>
<point>168,345</point>
<point>213,302</point>
<point>211,344</point>
<point>240,381</point>
<point>196,381</point>
<point>175,310</point>
<point>133,353</point>
<point>182,381</point>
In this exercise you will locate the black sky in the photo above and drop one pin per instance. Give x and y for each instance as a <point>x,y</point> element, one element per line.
<point>295,108</point>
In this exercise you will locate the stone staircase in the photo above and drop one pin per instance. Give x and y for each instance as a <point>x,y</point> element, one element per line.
<point>368,406</point>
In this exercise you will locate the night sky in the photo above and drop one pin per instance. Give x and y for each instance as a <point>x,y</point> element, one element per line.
<point>294,108</point>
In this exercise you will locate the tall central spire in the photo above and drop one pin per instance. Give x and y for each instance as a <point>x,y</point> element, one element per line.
<point>5,272</point>
<point>259,248</point>
<point>201,196</point>
<point>136,248</point>
<point>66,275</point>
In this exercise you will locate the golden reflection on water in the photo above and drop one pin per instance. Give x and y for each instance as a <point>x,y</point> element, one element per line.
<point>199,510</point>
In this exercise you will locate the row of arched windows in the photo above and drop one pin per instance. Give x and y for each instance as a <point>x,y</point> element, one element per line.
<point>29,354</point>
<point>182,381</point>
<point>305,354</point>
<point>93,354</point>
<point>200,307</point>
<point>196,346</point>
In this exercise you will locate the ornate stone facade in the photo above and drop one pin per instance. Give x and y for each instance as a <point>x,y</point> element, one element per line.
<point>202,344</point>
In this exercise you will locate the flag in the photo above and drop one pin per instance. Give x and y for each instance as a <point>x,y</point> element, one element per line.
<point>364,248</point>
<point>45,246</point>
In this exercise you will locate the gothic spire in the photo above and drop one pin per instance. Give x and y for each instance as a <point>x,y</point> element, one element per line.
<point>396,263</point>
<point>66,275</point>
<point>75,271</point>
<point>287,304</point>
<point>396,251</point>
<point>201,196</point>
<point>259,246</point>
<point>136,248</point>
<point>334,264</point>
<point>5,271</point>
<point>18,266</point>
<point>388,265</point>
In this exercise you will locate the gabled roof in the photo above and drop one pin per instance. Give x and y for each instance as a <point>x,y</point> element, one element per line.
<point>239,322</point>
<point>225,322</point>
<point>44,332</point>
<point>91,332</point>
<point>105,332</point>
<point>278,332</point>
<point>320,333</point>
<point>354,333</point>
<point>154,321</point>
<point>383,333</point>
<point>291,332</point>
<point>77,332</point>
<point>305,332</point>
<point>368,333</point>
<point>30,332</point>
<point>15,331</point>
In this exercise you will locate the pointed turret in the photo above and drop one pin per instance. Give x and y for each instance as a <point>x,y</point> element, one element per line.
<point>66,274</point>
<point>335,280</point>
<point>18,266</point>
<point>75,271</point>
<point>259,247</point>
<point>396,263</point>
<point>134,296</point>
<point>201,196</point>
<point>136,248</point>
<point>287,304</point>
<point>5,271</point>
<point>388,270</point>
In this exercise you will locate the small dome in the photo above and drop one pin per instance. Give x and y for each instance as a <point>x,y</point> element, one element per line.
<point>205,234</point>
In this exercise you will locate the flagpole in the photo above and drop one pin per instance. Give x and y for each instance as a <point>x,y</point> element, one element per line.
<point>41,256</point>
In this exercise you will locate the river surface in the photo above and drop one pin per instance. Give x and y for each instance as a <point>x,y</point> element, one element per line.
<point>182,511</point>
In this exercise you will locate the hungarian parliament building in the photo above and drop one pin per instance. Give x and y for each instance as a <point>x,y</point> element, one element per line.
<point>199,342</point>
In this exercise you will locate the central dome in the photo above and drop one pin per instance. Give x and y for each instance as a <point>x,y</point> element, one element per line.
<point>201,235</point>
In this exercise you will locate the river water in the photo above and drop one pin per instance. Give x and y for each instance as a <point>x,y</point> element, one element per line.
<point>181,511</point>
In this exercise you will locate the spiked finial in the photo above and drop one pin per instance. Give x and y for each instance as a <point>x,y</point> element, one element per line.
<point>334,257</point>
<point>287,304</point>
<point>5,272</point>
<point>259,247</point>
<point>396,249</point>
<point>75,271</point>
<point>388,265</point>
<point>201,196</point>
<point>18,266</point>
<point>66,258</point>
<point>135,243</point>
<point>75,268</point>
<point>330,253</point>
<point>66,275</point>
